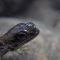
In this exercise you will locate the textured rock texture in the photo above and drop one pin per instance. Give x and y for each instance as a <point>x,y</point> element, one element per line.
<point>46,46</point>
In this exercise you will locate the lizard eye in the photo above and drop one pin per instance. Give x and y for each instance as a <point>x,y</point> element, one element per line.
<point>21,35</point>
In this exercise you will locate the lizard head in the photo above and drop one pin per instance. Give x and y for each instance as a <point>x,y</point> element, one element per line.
<point>20,34</point>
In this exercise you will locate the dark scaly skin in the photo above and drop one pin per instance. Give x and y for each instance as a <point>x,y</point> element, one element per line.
<point>17,36</point>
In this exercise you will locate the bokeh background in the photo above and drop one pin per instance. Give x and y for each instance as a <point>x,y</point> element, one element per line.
<point>46,15</point>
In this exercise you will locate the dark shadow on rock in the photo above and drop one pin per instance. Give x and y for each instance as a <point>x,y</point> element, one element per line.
<point>11,8</point>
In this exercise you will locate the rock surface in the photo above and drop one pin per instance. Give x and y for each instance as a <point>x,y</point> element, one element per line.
<point>45,46</point>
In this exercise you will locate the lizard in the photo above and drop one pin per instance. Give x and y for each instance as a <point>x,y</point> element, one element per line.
<point>17,36</point>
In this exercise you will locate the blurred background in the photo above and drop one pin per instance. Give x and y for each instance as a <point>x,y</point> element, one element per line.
<point>46,15</point>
